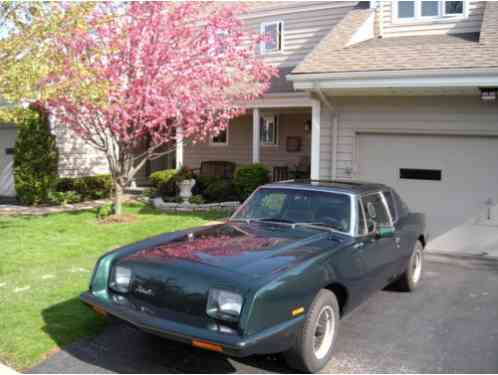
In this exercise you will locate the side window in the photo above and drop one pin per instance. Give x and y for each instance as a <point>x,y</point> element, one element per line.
<point>402,207</point>
<point>376,211</point>
<point>361,219</point>
<point>390,204</point>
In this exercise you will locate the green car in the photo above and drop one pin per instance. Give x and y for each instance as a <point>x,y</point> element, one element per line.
<point>277,277</point>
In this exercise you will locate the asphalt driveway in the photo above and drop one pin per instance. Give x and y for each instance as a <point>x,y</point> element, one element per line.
<point>450,324</point>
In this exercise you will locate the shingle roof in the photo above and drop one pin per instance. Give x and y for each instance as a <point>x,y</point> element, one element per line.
<point>432,52</point>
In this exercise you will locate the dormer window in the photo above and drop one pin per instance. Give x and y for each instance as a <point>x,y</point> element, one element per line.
<point>273,32</point>
<point>421,10</point>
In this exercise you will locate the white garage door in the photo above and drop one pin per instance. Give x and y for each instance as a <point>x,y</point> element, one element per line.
<point>7,140</point>
<point>448,177</point>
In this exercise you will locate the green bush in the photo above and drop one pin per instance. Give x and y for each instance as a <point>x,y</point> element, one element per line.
<point>63,197</point>
<point>220,190</point>
<point>88,187</point>
<point>164,182</point>
<point>35,158</point>
<point>196,199</point>
<point>249,177</point>
<point>105,211</point>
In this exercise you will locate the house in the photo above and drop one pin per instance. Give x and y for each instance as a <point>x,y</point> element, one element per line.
<point>400,92</point>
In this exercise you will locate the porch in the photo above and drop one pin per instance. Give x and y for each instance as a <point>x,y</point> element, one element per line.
<point>280,131</point>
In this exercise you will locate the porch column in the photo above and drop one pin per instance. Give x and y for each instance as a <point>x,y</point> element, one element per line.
<point>255,135</point>
<point>179,147</point>
<point>315,140</point>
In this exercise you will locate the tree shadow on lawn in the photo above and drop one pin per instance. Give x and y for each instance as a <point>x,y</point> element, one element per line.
<point>119,347</point>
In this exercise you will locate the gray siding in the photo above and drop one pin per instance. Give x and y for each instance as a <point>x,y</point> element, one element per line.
<point>425,115</point>
<point>76,158</point>
<point>305,24</point>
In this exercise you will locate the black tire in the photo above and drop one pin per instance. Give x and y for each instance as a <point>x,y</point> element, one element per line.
<point>409,280</point>
<point>302,355</point>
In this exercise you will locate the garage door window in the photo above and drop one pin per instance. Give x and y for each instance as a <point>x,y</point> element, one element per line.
<point>420,174</point>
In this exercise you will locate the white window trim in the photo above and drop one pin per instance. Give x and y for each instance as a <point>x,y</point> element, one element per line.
<point>220,144</point>
<point>263,49</point>
<point>277,132</point>
<point>418,18</point>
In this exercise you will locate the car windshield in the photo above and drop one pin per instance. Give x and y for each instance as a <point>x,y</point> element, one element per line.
<point>332,210</point>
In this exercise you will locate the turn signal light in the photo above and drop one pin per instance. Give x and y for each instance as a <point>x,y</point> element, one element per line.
<point>207,345</point>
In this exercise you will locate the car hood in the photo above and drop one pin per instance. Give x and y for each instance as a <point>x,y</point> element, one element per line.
<point>254,248</point>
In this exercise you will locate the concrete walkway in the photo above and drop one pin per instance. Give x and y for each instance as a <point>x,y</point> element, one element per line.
<point>4,370</point>
<point>14,210</point>
<point>475,238</point>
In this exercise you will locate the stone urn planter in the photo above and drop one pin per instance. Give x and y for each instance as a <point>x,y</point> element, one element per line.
<point>185,188</point>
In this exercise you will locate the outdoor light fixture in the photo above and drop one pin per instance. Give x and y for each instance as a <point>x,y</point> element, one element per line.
<point>488,94</point>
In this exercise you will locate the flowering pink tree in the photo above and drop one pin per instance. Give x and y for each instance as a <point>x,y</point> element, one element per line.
<point>143,73</point>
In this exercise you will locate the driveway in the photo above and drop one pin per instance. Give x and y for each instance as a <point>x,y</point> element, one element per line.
<point>449,324</point>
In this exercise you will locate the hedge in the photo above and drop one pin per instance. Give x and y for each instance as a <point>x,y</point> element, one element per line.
<point>35,158</point>
<point>88,187</point>
<point>249,177</point>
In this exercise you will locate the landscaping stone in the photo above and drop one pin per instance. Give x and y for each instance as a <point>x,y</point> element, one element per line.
<point>189,207</point>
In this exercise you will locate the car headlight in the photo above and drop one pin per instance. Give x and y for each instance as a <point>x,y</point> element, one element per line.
<point>224,305</point>
<point>120,281</point>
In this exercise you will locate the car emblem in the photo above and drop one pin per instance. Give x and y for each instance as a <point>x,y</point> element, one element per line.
<point>140,289</point>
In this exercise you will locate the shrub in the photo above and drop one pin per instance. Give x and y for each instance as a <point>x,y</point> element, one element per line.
<point>164,182</point>
<point>88,187</point>
<point>35,158</point>
<point>196,199</point>
<point>63,197</point>
<point>105,211</point>
<point>220,190</point>
<point>185,173</point>
<point>248,178</point>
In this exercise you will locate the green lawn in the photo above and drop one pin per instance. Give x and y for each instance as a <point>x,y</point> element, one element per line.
<point>46,262</point>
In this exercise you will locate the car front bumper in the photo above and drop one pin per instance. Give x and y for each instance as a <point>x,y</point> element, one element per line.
<point>272,340</point>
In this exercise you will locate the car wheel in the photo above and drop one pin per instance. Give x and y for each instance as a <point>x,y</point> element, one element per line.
<point>411,278</point>
<point>315,342</point>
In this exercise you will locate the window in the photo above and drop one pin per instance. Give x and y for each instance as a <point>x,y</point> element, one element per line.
<point>430,9</point>
<point>420,174</point>
<point>453,7</point>
<point>362,229</point>
<point>298,206</point>
<point>221,138</point>
<point>269,130</point>
<point>273,41</point>
<point>376,211</point>
<point>413,10</point>
<point>390,204</point>
<point>406,9</point>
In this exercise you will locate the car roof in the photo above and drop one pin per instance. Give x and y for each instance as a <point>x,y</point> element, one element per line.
<point>340,186</point>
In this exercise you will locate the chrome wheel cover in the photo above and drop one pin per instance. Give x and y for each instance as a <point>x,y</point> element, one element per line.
<point>324,331</point>
<point>417,266</point>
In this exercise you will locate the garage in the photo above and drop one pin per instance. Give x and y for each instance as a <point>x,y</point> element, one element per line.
<point>450,178</point>
<point>7,141</point>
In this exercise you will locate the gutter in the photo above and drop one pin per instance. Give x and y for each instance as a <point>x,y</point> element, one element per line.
<point>482,77</point>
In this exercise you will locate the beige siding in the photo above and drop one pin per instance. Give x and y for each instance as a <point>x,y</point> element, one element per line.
<point>469,24</point>
<point>430,115</point>
<point>305,24</point>
<point>239,148</point>
<point>77,158</point>
<point>325,143</point>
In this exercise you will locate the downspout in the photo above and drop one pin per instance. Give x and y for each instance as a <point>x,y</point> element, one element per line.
<point>380,8</point>
<point>335,126</point>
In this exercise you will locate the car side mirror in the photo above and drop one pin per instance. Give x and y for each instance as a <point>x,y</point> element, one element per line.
<point>385,231</point>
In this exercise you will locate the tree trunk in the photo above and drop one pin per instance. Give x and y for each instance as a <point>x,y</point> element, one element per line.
<point>118,199</point>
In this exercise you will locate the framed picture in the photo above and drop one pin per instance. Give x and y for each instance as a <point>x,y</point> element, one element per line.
<point>293,144</point>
